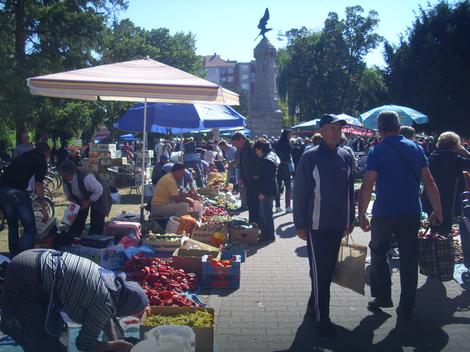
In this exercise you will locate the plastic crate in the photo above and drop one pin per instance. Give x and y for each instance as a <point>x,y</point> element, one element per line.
<point>208,269</point>
<point>228,253</point>
<point>220,281</point>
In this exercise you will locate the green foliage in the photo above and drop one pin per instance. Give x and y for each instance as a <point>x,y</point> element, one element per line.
<point>323,71</point>
<point>429,70</point>
<point>41,37</point>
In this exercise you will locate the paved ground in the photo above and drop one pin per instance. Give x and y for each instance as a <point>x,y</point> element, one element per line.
<point>267,312</point>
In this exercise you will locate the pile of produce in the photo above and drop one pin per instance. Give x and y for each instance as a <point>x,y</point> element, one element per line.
<point>162,283</point>
<point>458,253</point>
<point>187,224</point>
<point>198,319</point>
<point>156,237</point>
<point>217,180</point>
<point>214,214</point>
<point>221,262</point>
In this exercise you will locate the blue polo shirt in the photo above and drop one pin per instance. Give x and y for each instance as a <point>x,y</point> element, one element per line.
<point>396,188</point>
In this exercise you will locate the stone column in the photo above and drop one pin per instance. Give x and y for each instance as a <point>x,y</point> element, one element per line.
<point>265,116</point>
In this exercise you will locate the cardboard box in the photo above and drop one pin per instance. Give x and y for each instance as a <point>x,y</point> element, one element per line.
<point>193,248</point>
<point>102,147</point>
<point>111,258</point>
<point>245,236</point>
<point>119,161</point>
<point>188,263</point>
<point>204,336</point>
<point>106,162</point>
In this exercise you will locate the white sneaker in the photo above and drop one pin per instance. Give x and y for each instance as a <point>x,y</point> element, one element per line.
<point>278,210</point>
<point>289,210</point>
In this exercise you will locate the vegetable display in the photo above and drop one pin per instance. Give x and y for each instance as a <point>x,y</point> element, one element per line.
<point>187,224</point>
<point>214,214</point>
<point>198,319</point>
<point>162,283</point>
<point>155,237</point>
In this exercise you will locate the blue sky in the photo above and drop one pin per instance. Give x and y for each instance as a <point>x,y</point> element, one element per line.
<point>228,28</point>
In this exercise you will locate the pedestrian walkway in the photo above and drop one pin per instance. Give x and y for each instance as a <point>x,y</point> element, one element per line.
<point>267,312</point>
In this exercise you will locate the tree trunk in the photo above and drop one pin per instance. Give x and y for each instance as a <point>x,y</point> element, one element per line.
<point>20,60</point>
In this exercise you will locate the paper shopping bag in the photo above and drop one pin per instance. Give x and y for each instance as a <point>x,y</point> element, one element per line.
<point>350,267</point>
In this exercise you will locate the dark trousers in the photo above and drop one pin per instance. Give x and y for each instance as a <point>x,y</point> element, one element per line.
<point>196,166</point>
<point>405,230</point>
<point>96,223</point>
<point>323,249</point>
<point>252,202</point>
<point>283,180</point>
<point>266,218</point>
<point>17,207</point>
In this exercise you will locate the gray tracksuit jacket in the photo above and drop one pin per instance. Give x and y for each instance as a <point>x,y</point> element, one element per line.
<point>324,190</point>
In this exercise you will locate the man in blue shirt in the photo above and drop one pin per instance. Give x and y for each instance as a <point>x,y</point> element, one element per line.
<point>397,166</point>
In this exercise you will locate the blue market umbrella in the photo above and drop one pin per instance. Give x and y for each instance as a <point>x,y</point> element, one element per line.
<point>180,118</point>
<point>407,116</point>
<point>306,126</point>
<point>128,138</point>
<point>350,120</point>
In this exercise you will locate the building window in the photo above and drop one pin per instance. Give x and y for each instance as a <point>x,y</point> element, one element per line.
<point>230,79</point>
<point>245,76</point>
<point>245,86</point>
<point>223,79</point>
<point>230,70</point>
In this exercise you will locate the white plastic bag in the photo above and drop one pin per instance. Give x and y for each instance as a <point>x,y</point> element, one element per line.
<point>70,214</point>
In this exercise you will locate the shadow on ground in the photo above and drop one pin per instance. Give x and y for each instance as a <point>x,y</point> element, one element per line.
<point>286,230</point>
<point>424,333</point>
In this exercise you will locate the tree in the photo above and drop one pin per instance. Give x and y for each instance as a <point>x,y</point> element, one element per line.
<point>48,36</point>
<point>429,69</point>
<point>322,71</point>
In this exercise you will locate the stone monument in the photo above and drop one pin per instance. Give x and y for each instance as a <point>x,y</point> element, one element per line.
<point>265,116</point>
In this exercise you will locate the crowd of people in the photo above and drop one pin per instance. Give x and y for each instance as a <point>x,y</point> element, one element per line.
<point>321,170</point>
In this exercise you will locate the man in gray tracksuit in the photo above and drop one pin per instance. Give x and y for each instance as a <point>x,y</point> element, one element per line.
<point>324,211</point>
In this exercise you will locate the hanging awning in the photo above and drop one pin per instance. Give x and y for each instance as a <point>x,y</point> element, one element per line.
<point>132,81</point>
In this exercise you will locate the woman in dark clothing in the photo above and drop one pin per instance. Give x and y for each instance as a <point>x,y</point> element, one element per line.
<point>283,151</point>
<point>267,187</point>
<point>447,164</point>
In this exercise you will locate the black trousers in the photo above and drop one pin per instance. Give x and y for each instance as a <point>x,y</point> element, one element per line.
<point>252,203</point>
<point>405,230</point>
<point>96,223</point>
<point>323,248</point>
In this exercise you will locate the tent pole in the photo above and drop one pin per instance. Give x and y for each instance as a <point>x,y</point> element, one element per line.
<point>144,149</point>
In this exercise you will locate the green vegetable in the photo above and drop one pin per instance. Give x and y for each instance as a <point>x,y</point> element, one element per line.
<point>198,319</point>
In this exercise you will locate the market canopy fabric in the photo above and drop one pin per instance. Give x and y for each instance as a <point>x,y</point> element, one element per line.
<point>306,126</point>
<point>180,118</point>
<point>407,116</point>
<point>135,80</point>
<point>128,138</point>
<point>350,120</point>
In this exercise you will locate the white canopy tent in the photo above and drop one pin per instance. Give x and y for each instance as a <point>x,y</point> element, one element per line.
<point>143,80</point>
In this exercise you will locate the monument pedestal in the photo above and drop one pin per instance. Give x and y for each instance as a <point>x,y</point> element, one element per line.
<point>265,121</point>
<point>265,116</point>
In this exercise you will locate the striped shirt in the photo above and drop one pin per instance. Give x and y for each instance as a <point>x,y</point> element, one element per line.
<point>83,295</point>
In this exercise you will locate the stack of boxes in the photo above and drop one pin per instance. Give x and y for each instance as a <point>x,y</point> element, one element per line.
<point>103,156</point>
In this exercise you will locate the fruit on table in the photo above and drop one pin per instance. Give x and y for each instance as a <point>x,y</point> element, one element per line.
<point>186,225</point>
<point>198,319</point>
<point>165,237</point>
<point>162,283</point>
<point>222,263</point>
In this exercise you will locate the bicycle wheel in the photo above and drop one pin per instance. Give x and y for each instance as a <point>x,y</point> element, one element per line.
<point>49,206</point>
<point>49,183</point>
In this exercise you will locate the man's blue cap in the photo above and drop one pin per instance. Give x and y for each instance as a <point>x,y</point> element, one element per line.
<point>331,118</point>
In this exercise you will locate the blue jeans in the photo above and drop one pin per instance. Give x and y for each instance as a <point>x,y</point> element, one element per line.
<point>266,218</point>
<point>17,206</point>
